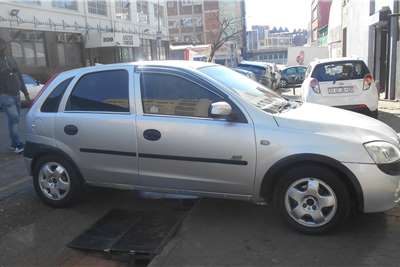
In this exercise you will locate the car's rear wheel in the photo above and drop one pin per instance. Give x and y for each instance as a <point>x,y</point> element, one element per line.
<point>56,181</point>
<point>312,199</point>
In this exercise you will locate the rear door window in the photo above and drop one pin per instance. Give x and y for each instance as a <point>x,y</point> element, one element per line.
<point>339,71</point>
<point>103,91</point>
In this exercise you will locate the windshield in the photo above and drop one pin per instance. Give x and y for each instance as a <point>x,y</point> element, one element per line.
<point>251,91</point>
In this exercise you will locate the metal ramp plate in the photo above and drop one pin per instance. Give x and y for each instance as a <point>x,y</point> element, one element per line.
<point>134,233</point>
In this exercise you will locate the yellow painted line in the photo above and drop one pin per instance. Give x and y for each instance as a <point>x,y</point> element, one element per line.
<point>14,184</point>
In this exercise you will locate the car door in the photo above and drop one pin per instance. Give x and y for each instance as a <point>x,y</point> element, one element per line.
<point>181,147</point>
<point>291,75</point>
<point>301,71</point>
<point>97,126</point>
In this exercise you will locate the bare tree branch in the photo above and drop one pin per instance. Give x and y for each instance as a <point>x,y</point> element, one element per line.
<point>224,33</point>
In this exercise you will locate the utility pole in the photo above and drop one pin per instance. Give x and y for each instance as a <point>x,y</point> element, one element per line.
<point>158,37</point>
<point>394,35</point>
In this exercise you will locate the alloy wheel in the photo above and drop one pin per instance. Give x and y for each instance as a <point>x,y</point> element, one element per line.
<point>54,181</point>
<point>310,202</point>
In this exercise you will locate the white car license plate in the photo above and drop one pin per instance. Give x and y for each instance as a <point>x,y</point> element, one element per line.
<point>340,90</point>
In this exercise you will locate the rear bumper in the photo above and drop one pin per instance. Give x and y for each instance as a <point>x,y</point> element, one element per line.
<point>381,190</point>
<point>363,109</point>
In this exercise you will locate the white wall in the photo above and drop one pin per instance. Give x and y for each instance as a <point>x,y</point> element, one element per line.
<point>358,29</point>
<point>335,29</point>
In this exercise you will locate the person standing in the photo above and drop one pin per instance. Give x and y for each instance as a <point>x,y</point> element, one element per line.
<point>11,83</point>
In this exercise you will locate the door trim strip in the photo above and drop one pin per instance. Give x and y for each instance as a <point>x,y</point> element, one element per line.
<point>208,160</point>
<point>167,157</point>
<point>108,152</point>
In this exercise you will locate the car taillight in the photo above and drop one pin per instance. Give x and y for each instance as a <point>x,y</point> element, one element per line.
<point>48,82</point>
<point>368,80</point>
<point>314,85</point>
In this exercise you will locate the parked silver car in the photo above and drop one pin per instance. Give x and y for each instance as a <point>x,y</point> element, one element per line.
<point>200,128</point>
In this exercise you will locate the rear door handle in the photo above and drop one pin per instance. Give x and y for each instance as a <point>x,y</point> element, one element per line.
<point>152,135</point>
<point>70,129</point>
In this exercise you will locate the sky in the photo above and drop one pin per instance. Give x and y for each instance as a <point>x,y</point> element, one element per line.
<point>293,14</point>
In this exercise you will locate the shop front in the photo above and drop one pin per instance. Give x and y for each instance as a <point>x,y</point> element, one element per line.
<point>106,48</point>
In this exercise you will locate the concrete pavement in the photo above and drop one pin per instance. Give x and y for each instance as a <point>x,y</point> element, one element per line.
<point>234,233</point>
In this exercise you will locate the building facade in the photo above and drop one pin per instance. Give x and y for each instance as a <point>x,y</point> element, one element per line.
<point>271,44</point>
<point>197,22</point>
<point>54,35</point>
<point>320,10</point>
<point>370,31</point>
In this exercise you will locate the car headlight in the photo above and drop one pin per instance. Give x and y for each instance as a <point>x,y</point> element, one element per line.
<point>383,152</point>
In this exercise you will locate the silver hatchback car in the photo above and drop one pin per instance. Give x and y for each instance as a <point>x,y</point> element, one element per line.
<point>203,129</point>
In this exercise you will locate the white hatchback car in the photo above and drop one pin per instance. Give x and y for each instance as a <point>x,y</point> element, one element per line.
<point>344,83</point>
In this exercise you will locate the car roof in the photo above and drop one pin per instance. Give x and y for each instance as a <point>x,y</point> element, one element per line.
<point>295,66</point>
<point>254,63</point>
<point>333,60</point>
<point>181,64</point>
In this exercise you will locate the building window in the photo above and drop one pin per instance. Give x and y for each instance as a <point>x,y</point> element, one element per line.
<point>159,15</point>
<point>143,11</point>
<point>146,49</point>
<point>122,9</point>
<point>29,2</point>
<point>69,49</point>
<point>28,49</point>
<point>68,4</point>
<point>98,7</point>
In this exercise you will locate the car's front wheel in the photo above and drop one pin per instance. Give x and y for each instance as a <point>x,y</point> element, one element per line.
<point>283,83</point>
<point>312,199</point>
<point>56,181</point>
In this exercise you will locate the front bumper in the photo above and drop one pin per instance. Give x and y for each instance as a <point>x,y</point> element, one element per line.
<point>381,191</point>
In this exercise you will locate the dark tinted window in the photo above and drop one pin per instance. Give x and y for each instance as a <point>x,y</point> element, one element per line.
<point>342,70</point>
<point>53,100</point>
<point>259,71</point>
<point>301,70</point>
<point>290,71</point>
<point>172,95</point>
<point>105,91</point>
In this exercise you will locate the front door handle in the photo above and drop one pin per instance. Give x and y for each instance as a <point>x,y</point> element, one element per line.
<point>152,134</point>
<point>70,129</point>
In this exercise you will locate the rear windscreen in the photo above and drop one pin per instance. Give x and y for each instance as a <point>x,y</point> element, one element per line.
<point>259,71</point>
<point>342,70</point>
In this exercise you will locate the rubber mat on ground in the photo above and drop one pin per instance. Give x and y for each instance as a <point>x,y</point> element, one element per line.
<point>127,232</point>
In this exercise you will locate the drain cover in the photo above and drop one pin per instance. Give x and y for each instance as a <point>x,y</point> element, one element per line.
<point>141,233</point>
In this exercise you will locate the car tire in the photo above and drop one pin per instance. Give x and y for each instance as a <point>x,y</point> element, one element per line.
<point>283,83</point>
<point>56,181</point>
<point>312,199</point>
<point>374,114</point>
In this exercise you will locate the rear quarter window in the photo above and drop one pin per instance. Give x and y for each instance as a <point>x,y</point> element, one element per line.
<point>52,102</point>
<point>339,71</point>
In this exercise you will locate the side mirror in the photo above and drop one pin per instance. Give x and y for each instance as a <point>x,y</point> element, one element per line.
<point>220,109</point>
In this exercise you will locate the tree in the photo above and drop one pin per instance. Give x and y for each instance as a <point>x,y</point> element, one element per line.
<point>224,32</point>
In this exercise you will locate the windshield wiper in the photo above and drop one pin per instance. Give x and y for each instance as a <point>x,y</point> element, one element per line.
<point>284,106</point>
